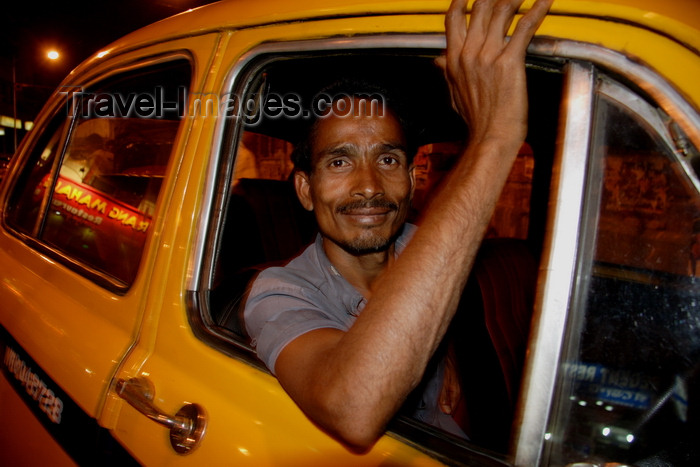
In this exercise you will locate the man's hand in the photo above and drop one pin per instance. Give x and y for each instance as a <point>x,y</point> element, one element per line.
<point>451,391</point>
<point>485,71</point>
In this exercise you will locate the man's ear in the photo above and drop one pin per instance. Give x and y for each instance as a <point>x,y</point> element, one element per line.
<point>303,188</point>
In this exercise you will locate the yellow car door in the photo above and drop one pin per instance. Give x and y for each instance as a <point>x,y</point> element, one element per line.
<point>81,233</point>
<point>177,397</point>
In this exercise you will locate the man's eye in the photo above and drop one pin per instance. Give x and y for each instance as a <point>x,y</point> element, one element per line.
<point>336,163</point>
<point>389,160</point>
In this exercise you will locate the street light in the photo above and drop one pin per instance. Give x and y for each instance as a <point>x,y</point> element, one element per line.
<point>53,55</point>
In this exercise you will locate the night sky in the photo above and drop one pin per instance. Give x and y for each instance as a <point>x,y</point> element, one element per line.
<point>75,28</point>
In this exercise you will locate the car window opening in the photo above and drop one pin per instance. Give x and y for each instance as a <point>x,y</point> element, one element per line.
<point>266,225</point>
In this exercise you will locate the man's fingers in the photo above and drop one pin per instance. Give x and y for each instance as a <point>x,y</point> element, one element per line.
<point>481,53</point>
<point>528,24</point>
<point>482,11</point>
<point>441,61</point>
<point>455,29</point>
<point>489,22</point>
<point>502,14</point>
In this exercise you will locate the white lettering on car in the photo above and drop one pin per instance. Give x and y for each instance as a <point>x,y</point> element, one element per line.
<point>48,403</point>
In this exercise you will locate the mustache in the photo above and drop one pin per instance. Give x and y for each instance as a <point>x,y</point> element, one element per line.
<point>365,204</point>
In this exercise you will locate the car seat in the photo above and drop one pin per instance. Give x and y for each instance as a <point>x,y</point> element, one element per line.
<point>265,225</point>
<point>490,333</point>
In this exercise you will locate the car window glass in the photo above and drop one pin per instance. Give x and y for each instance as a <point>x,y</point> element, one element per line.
<point>25,206</point>
<point>629,383</point>
<point>93,197</point>
<point>261,156</point>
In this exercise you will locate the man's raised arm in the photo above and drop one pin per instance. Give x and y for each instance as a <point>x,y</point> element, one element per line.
<point>352,383</point>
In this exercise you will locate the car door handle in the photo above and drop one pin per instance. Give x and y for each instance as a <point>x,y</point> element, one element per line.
<point>186,427</point>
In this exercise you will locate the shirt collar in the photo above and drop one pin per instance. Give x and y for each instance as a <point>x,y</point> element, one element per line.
<point>353,300</point>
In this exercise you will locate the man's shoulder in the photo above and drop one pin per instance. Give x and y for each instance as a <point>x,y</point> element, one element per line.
<point>300,271</point>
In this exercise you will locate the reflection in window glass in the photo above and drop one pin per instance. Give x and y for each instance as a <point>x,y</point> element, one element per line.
<point>24,208</point>
<point>103,187</point>
<point>630,381</point>
<point>263,157</point>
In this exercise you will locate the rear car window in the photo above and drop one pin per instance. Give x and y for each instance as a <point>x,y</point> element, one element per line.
<point>89,188</point>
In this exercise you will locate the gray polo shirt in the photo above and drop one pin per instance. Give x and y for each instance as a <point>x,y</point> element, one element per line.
<point>308,294</point>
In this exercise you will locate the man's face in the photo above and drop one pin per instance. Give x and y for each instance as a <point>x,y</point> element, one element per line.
<point>360,185</point>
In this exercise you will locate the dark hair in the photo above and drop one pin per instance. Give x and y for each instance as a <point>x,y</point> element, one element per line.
<point>365,90</point>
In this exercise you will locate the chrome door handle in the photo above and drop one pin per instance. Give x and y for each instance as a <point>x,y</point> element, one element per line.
<point>186,427</point>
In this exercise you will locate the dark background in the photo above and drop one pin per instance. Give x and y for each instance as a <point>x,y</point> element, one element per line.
<point>77,29</point>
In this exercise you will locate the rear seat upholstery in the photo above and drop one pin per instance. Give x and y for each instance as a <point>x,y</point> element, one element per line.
<point>266,225</point>
<point>489,333</point>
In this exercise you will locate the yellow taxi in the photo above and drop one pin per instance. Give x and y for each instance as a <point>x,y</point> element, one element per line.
<point>155,184</point>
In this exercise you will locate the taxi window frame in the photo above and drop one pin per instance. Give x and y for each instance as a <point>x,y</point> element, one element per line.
<point>54,118</point>
<point>222,160</point>
<point>219,176</point>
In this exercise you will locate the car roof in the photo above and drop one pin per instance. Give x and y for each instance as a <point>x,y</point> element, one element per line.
<point>679,19</point>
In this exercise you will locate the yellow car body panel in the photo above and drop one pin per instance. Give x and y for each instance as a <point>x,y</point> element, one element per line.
<point>37,447</point>
<point>74,330</point>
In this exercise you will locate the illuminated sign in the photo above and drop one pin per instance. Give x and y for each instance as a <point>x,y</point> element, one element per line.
<point>86,204</point>
<point>616,386</point>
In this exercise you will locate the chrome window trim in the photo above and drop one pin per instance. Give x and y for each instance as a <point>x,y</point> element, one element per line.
<point>556,274</point>
<point>651,116</point>
<point>647,79</point>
